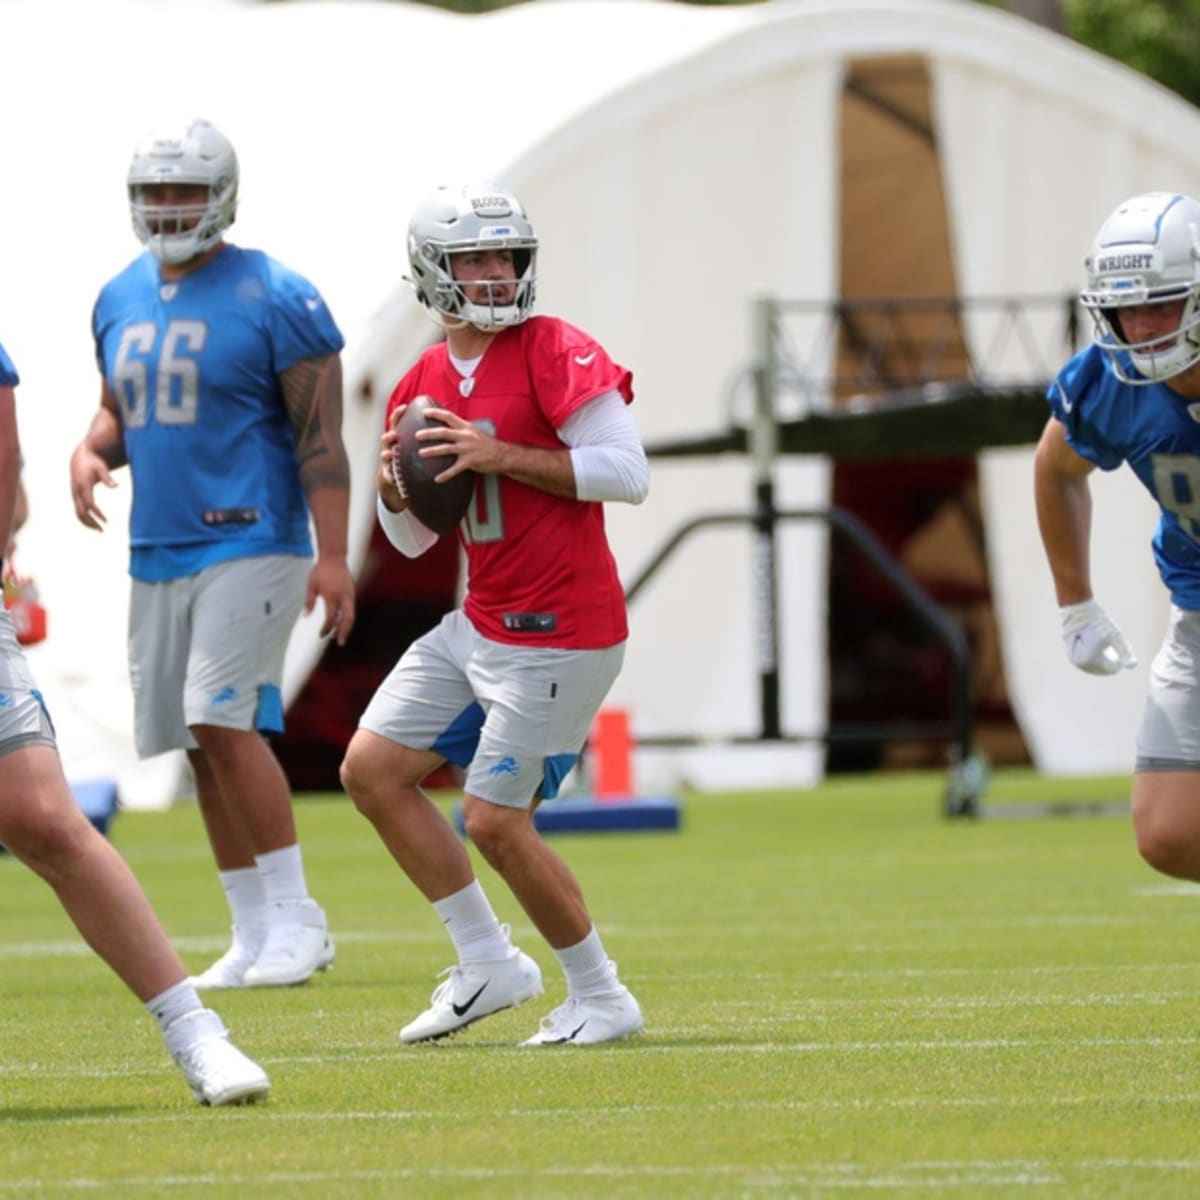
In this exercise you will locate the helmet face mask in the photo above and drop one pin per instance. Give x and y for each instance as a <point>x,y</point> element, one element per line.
<point>1147,253</point>
<point>472,218</point>
<point>196,154</point>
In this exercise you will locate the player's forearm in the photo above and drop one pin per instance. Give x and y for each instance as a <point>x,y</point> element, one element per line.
<point>330,507</point>
<point>549,470</point>
<point>106,438</point>
<point>312,395</point>
<point>404,531</point>
<point>10,465</point>
<point>20,507</point>
<point>1064,512</point>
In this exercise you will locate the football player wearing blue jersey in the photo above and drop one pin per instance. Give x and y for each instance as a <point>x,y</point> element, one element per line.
<point>1133,397</point>
<point>41,825</point>
<point>222,392</point>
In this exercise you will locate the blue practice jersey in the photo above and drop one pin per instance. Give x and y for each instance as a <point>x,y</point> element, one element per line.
<point>194,366</point>
<point>1157,432</point>
<point>8,373</point>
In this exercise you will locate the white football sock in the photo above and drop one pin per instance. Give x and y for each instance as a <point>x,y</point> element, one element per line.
<point>472,925</point>
<point>282,875</point>
<point>244,893</point>
<point>177,1001</point>
<point>588,969</point>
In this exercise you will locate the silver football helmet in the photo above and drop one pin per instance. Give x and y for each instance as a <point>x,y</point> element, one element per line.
<point>197,153</point>
<point>471,216</point>
<point>1147,252</point>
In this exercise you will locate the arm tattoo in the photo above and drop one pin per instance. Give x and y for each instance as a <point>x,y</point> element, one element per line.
<point>312,395</point>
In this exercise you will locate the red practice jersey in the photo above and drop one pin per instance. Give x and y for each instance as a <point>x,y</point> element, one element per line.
<point>539,568</point>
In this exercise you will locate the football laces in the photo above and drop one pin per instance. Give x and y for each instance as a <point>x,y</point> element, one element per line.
<point>397,478</point>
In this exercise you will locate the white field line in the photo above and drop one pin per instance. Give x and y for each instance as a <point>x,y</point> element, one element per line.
<point>761,1179</point>
<point>638,1111</point>
<point>76,948</point>
<point>933,1005</point>
<point>932,1176</point>
<point>198,850</point>
<point>404,1058</point>
<point>1106,968</point>
<point>1174,887</point>
<point>671,934</point>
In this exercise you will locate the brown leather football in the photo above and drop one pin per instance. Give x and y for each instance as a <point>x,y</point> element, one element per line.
<point>438,506</point>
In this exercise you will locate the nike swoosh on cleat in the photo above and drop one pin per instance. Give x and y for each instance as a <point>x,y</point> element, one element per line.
<point>570,1036</point>
<point>462,1009</point>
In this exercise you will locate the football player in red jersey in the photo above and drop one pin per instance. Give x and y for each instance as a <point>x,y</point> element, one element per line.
<point>507,686</point>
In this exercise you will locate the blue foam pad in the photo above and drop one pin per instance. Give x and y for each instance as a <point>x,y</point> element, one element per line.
<point>585,814</point>
<point>98,800</point>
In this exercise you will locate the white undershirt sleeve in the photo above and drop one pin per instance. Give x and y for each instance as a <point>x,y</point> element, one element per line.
<point>403,530</point>
<point>607,455</point>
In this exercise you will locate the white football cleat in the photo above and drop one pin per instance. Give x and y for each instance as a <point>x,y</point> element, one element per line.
<point>590,1020</point>
<point>229,971</point>
<point>297,944</point>
<point>473,991</point>
<point>216,1070</point>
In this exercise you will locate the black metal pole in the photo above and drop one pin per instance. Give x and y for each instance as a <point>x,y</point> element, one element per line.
<point>766,592</point>
<point>764,450</point>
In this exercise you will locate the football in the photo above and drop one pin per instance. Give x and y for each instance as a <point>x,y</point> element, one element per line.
<point>438,506</point>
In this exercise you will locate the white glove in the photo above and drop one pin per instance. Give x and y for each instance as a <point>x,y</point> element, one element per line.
<point>1094,644</point>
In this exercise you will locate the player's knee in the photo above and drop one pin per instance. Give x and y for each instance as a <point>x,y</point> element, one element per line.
<point>356,781</point>
<point>493,829</point>
<point>1166,845</point>
<point>46,839</point>
<point>374,780</point>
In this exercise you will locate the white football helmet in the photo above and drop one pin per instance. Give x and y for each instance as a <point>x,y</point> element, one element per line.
<point>471,216</point>
<point>196,153</point>
<point>1147,252</point>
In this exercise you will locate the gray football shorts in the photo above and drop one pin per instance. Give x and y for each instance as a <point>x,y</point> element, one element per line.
<point>1169,738</point>
<point>208,649</point>
<point>24,720</point>
<point>515,717</point>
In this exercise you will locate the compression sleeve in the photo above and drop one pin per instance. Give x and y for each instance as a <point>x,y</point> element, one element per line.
<point>404,531</point>
<point>607,455</point>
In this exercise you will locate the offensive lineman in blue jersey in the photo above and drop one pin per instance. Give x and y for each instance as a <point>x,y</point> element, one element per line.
<point>222,391</point>
<point>41,824</point>
<point>1134,397</point>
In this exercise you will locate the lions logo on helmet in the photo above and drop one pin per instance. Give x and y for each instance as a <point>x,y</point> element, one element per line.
<point>198,153</point>
<point>1146,252</point>
<point>471,217</point>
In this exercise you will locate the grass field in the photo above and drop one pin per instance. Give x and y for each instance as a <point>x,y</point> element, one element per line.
<point>845,995</point>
